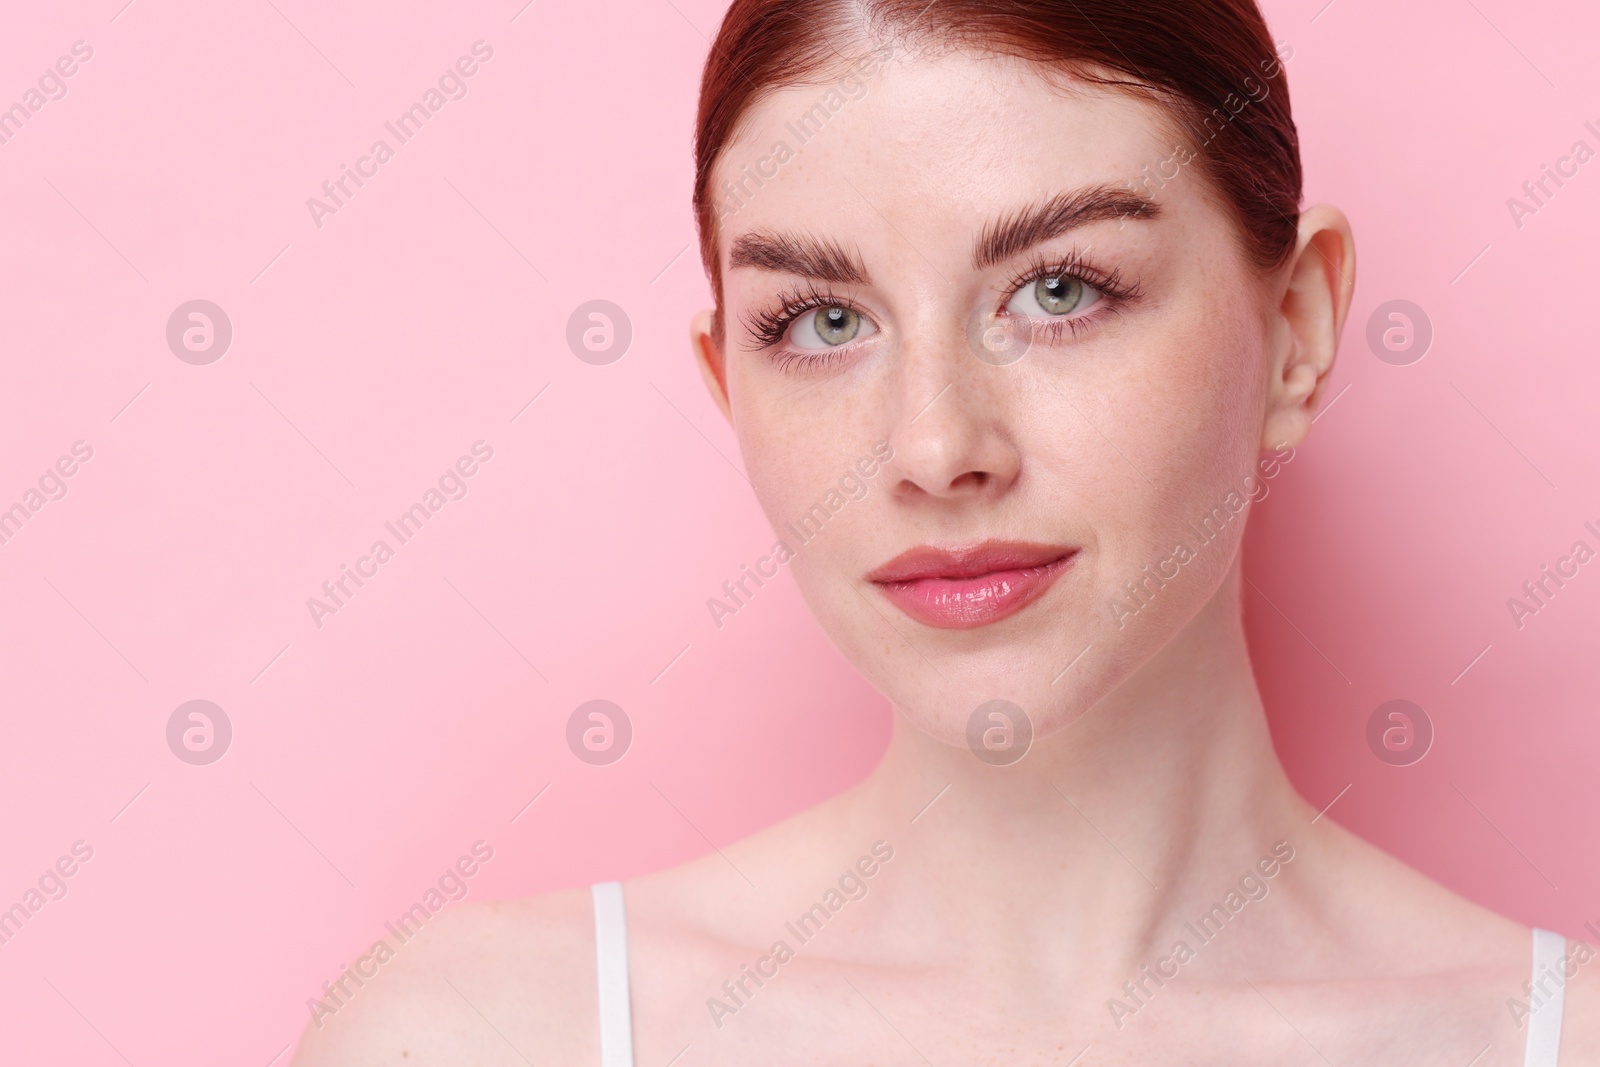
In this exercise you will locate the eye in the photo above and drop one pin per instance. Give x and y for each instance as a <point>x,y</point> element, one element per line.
<point>1052,296</point>
<point>829,327</point>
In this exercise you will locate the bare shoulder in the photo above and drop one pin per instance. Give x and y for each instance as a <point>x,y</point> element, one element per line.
<point>490,983</point>
<point>1397,920</point>
<point>1401,923</point>
<point>515,982</point>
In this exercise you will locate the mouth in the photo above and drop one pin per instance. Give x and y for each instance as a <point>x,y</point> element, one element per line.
<point>964,588</point>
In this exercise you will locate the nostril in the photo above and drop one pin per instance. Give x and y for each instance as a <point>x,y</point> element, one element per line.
<point>978,479</point>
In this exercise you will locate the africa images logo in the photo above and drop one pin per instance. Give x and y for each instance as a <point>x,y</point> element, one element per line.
<point>452,85</point>
<point>850,488</point>
<point>451,485</point>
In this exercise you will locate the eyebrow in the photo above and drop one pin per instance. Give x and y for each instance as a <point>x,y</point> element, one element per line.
<point>796,254</point>
<point>1017,231</point>
<point>1050,218</point>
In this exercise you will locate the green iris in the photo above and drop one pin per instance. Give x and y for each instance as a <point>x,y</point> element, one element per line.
<point>1058,294</point>
<point>836,325</point>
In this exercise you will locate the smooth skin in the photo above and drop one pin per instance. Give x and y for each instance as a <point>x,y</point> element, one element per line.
<point>1019,900</point>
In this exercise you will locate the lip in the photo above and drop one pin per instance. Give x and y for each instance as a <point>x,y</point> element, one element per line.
<point>962,588</point>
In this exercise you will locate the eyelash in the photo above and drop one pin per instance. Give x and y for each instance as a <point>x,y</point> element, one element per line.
<point>1114,290</point>
<point>768,326</point>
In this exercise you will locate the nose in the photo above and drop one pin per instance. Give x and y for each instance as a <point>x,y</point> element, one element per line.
<point>952,435</point>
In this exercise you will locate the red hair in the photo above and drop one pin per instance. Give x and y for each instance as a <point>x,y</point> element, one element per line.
<point>1206,60</point>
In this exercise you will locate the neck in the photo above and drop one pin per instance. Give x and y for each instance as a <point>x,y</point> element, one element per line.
<point>1107,835</point>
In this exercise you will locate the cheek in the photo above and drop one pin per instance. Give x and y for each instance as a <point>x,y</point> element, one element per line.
<point>1191,424</point>
<point>804,461</point>
<point>780,451</point>
<point>1213,403</point>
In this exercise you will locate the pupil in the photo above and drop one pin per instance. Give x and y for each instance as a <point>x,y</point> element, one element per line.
<point>836,325</point>
<point>1058,294</point>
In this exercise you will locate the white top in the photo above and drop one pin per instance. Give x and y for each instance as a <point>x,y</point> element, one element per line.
<point>616,1019</point>
<point>1544,1025</point>
<point>611,954</point>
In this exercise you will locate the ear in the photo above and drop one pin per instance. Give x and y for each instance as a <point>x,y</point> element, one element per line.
<point>1311,313</point>
<point>707,345</point>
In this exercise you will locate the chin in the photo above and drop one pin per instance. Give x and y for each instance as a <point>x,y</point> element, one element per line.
<point>955,696</point>
<point>1052,663</point>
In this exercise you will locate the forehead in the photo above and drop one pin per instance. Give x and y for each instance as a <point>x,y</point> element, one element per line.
<point>931,143</point>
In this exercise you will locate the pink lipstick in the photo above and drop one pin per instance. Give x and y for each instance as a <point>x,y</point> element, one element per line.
<point>967,587</point>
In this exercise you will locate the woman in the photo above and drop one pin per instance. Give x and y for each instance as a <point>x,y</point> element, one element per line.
<point>1032,282</point>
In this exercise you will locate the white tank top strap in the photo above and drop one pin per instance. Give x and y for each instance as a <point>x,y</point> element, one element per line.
<point>1547,996</point>
<point>611,955</point>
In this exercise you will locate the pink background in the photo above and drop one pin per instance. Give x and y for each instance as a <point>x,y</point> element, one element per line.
<point>370,753</point>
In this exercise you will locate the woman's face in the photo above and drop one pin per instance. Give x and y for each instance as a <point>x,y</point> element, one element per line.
<point>1047,322</point>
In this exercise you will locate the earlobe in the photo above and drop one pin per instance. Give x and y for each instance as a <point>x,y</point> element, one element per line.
<point>707,347</point>
<point>1312,313</point>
